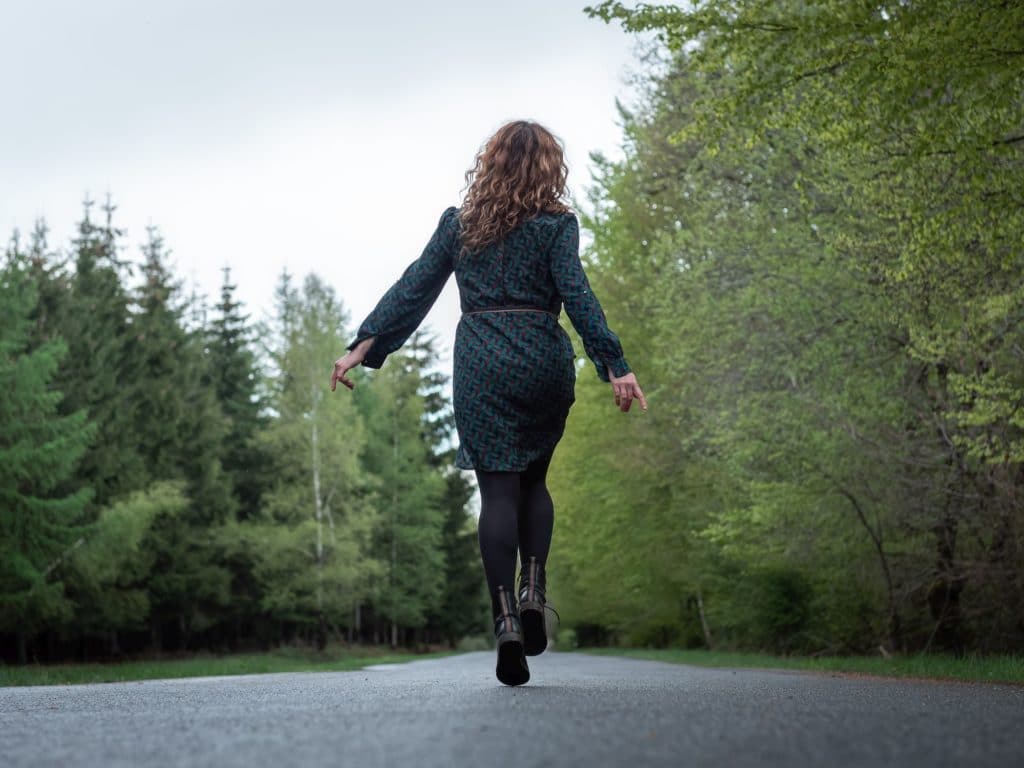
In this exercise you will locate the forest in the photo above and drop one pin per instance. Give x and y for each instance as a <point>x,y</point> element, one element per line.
<point>176,477</point>
<point>812,250</point>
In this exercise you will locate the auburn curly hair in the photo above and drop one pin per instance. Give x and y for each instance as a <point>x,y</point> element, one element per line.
<point>519,173</point>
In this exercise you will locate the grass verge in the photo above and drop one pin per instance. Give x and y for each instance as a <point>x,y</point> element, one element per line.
<point>987,669</point>
<point>283,660</point>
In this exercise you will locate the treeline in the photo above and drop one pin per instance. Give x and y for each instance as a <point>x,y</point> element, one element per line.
<point>176,477</point>
<point>813,251</point>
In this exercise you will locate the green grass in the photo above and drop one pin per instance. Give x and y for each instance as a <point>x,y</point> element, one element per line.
<point>989,669</point>
<point>284,660</point>
<point>992,669</point>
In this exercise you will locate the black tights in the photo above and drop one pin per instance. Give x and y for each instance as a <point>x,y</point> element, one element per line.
<point>516,512</point>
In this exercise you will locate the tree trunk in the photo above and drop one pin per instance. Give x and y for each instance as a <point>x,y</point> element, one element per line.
<point>353,627</point>
<point>318,511</point>
<point>944,595</point>
<point>394,544</point>
<point>321,632</point>
<point>894,627</point>
<point>22,642</point>
<point>703,620</point>
<point>183,631</point>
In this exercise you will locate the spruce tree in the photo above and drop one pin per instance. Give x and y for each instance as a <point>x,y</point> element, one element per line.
<point>47,269</point>
<point>236,378</point>
<point>96,327</point>
<point>39,449</point>
<point>180,431</point>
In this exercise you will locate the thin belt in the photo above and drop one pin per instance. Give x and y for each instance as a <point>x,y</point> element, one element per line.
<point>517,308</point>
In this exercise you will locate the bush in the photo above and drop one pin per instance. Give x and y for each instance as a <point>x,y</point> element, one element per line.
<point>474,643</point>
<point>780,599</point>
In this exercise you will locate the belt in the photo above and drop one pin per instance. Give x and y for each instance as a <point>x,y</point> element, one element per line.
<point>514,308</point>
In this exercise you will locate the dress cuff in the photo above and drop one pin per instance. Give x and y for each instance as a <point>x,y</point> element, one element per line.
<point>375,355</point>
<point>619,367</point>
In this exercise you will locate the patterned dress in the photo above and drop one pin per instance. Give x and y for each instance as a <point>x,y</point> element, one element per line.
<point>514,374</point>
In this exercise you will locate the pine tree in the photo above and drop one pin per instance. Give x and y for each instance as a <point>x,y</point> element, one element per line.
<point>236,378</point>
<point>107,576</point>
<point>97,330</point>
<point>48,271</point>
<point>180,431</point>
<point>39,449</point>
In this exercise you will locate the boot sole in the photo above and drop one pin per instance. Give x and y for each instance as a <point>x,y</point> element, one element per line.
<point>535,634</point>
<point>512,669</point>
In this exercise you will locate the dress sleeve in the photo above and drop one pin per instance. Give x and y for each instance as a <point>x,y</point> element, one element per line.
<point>402,308</point>
<point>581,305</point>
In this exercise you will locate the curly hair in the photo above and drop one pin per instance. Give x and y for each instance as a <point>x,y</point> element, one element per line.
<point>519,173</point>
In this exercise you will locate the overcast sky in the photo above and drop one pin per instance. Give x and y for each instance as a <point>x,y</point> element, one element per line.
<point>308,135</point>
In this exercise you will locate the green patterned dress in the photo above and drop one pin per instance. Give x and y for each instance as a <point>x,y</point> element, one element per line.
<point>514,374</point>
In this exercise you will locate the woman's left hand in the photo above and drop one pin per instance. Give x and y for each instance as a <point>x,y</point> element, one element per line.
<point>626,388</point>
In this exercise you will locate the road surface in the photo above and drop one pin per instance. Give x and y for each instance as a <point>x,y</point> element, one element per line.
<point>577,710</point>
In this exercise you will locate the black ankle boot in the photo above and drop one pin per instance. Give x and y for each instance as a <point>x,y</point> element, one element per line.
<point>531,607</point>
<point>511,668</point>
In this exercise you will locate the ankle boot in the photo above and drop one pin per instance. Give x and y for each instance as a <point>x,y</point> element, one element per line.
<point>511,668</point>
<point>531,607</point>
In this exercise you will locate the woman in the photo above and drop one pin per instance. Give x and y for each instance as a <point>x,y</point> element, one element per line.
<point>514,249</point>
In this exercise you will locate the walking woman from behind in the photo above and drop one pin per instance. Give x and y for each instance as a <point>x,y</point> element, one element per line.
<point>514,248</point>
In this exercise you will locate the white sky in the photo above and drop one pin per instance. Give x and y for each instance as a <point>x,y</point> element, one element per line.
<point>308,135</point>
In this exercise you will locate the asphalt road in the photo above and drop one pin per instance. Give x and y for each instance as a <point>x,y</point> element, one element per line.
<point>577,710</point>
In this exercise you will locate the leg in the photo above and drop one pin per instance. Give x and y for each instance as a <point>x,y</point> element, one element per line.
<point>536,513</point>
<point>497,532</point>
<point>536,521</point>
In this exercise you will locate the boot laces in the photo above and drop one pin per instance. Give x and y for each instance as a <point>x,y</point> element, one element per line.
<point>531,579</point>
<point>509,616</point>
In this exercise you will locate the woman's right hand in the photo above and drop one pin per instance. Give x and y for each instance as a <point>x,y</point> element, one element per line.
<point>342,366</point>
<point>345,364</point>
<point>626,388</point>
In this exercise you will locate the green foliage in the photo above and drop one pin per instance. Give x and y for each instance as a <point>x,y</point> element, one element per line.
<point>463,606</point>
<point>235,372</point>
<point>311,537</point>
<point>989,669</point>
<point>95,323</point>
<point>409,491</point>
<point>180,431</point>
<point>238,501</point>
<point>781,598</point>
<point>911,111</point>
<point>106,576</point>
<point>274,662</point>
<point>39,450</point>
<point>463,586</point>
<point>811,251</point>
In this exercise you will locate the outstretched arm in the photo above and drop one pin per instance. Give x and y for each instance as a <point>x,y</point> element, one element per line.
<point>401,310</point>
